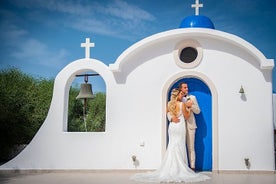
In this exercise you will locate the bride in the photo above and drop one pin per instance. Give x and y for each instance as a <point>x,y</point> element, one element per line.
<point>174,167</point>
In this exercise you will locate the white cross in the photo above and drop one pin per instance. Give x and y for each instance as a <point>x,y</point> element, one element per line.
<point>197,6</point>
<point>87,46</point>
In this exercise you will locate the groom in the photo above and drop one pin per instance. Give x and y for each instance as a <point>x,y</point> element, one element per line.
<point>192,104</point>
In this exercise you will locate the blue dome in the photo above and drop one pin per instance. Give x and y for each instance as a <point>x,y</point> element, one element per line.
<point>198,21</point>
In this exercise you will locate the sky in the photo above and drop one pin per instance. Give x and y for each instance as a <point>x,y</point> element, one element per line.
<point>41,37</point>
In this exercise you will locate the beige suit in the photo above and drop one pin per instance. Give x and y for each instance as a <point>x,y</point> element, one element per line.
<point>190,130</point>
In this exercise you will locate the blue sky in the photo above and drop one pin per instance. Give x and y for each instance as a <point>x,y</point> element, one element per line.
<point>40,37</point>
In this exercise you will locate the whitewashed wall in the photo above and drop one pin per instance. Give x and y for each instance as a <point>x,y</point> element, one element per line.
<point>137,86</point>
<point>274,110</point>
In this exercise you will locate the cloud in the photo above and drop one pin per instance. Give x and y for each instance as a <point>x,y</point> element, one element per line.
<point>12,32</point>
<point>117,8</point>
<point>9,28</point>
<point>62,6</point>
<point>117,19</point>
<point>112,18</point>
<point>122,9</point>
<point>36,52</point>
<point>92,25</point>
<point>21,45</point>
<point>21,20</point>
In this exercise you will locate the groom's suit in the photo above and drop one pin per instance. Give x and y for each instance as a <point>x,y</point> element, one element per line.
<point>191,128</point>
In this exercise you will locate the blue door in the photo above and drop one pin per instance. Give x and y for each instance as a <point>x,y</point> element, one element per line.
<point>203,137</point>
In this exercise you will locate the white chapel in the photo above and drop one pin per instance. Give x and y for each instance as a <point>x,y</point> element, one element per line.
<point>223,70</point>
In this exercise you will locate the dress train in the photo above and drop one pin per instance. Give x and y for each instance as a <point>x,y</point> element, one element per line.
<point>174,167</point>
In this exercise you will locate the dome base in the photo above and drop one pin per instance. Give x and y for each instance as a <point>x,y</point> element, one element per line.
<point>197,21</point>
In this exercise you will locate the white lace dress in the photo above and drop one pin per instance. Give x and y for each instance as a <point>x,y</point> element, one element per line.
<point>174,167</point>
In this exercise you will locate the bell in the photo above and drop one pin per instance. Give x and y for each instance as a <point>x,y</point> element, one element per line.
<point>85,91</point>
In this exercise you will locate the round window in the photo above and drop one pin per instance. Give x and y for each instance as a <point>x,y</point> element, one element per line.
<point>188,54</point>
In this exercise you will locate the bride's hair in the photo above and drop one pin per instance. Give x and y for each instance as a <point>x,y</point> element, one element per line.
<point>173,108</point>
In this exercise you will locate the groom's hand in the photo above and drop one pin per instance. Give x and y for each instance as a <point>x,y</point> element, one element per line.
<point>175,119</point>
<point>189,103</point>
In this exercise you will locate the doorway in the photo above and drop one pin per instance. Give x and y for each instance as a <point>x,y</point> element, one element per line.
<point>203,140</point>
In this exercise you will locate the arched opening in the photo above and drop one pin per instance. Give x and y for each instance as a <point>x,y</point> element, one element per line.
<point>88,116</point>
<point>203,140</point>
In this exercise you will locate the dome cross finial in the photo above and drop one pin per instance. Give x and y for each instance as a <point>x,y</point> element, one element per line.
<point>196,6</point>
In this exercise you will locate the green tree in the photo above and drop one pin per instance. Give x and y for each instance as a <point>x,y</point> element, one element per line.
<point>95,110</point>
<point>39,99</point>
<point>75,119</point>
<point>25,102</point>
<point>24,105</point>
<point>96,113</point>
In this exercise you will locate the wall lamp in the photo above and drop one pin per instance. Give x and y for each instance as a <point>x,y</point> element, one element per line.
<point>241,90</point>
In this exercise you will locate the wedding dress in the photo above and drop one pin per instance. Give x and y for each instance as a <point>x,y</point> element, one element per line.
<point>174,167</point>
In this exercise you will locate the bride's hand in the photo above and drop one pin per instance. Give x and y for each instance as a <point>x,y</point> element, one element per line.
<point>175,119</point>
<point>186,111</point>
<point>189,103</point>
